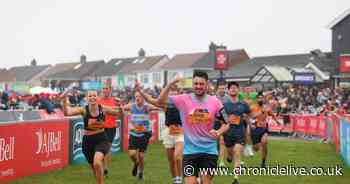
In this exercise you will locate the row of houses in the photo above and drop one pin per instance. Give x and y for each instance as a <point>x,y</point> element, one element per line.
<point>120,72</point>
<point>158,70</point>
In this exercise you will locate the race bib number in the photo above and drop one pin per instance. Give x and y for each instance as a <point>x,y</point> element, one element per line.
<point>139,128</point>
<point>93,124</point>
<point>235,120</point>
<point>261,121</point>
<point>199,117</point>
<point>175,130</point>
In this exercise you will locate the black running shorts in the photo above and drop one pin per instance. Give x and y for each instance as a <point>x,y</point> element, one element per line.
<point>139,143</point>
<point>192,163</point>
<point>95,143</point>
<point>110,132</point>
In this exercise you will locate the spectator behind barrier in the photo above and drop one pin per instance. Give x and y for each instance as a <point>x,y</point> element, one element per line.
<point>46,104</point>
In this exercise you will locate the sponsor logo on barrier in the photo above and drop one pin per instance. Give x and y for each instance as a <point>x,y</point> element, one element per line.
<point>7,148</point>
<point>116,141</point>
<point>345,140</point>
<point>48,142</point>
<point>78,133</point>
<point>8,172</point>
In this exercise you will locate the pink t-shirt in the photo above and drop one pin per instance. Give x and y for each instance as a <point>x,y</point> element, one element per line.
<point>198,119</point>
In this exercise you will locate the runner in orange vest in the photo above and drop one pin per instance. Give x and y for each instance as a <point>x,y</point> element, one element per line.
<point>110,123</point>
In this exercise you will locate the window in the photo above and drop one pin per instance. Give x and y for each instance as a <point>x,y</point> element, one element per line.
<point>130,79</point>
<point>188,74</point>
<point>144,78</point>
<point>157,78</point>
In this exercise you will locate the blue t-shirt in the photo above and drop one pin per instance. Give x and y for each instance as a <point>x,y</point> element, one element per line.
<point>236,110</point>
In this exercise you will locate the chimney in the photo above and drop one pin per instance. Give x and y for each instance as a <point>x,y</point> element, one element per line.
<point>82,59</point>
<point>142,53</point>
<point>33,63</point>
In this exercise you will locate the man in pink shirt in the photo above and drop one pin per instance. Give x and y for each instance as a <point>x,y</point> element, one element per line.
<point>198,112</point>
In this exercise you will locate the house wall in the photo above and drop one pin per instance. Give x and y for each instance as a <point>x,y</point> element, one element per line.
<point>341,45</point>
<point>151,79</point>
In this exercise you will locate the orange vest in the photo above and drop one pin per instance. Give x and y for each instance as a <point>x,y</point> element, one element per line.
<point>110,120</point>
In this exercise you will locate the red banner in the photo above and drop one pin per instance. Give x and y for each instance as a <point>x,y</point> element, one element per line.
<point>30,148</point>
<point>300,124</point>
<point>221,60</point>
<point>273,126</point>
<point>153,118</point>
<point>344,63</point>
<point>309,124</point>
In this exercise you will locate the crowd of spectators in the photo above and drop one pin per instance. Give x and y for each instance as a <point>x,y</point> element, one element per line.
<point>287,99</point>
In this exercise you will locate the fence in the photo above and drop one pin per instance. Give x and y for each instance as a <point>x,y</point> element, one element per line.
<point>48,144</point>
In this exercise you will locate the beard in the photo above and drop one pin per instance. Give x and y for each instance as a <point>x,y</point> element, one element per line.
<point>199,93</point>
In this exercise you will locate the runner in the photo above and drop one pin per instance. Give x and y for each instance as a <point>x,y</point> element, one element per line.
<point>95,141</point>
<point>221,95</point>
<point>139,134</point>
<point>234,138</point>
<point>110,122</point>
<point>259,113</point>
<point>173,134</point>
<point>198,113</point>
<point>249,97</point>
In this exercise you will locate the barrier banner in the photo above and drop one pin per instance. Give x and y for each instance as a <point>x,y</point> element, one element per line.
<point>322,127</point>
<point>153,118</point>
<point>76,133</point>
<point>273,126</point>
<point>6,116</point>
<point>300,124</point>
<point>57,115</point>
<point>76,155</point>
<point>161,124</point>
<point>31,148</point>
<point>345,140</point>
<point>26,115</point>
<point>10,152</point>
<point>116,144</point>
<point>313,122</point>
<point>287,128</point>
<point>336,134</point>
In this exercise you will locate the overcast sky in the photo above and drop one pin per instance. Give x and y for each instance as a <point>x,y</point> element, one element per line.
<point>60,31</point>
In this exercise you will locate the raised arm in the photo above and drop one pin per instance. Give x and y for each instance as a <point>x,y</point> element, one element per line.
<point>71,111</point>
<point>160,102</point>
<point>149,99</point>
<point>163,97</point>
<point>116,111</point>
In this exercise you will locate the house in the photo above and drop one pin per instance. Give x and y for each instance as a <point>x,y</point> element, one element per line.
<point>340,27</point>
<point>25,77</point>
<point>78,74</point>
<point>186,64</point>
<point>146,69</point>
<point>122,72</point>
<point>110,72</point>
<point>6,78</point>
<point>243,72</point>
<point>57,68</point>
